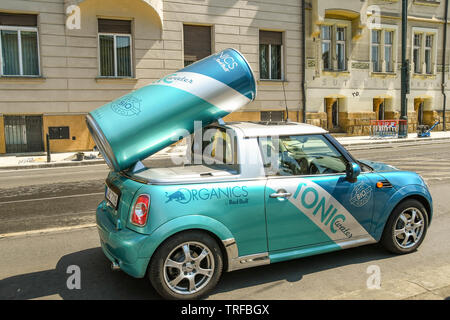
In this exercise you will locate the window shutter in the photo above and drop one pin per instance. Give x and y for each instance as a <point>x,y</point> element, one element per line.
<point>20,20</point>
<point>197,42</point>
<point>270,37</point>
<point>114,26</point>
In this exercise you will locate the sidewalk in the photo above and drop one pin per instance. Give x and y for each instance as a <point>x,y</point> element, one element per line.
<point>69,159</point>
<point>370,143</point>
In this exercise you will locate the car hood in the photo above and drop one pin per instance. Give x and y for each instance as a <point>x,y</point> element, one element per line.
<point>379,166</point>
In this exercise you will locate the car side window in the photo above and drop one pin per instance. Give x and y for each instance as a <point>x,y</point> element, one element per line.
<point>300,155</point>
<point>215,147</point>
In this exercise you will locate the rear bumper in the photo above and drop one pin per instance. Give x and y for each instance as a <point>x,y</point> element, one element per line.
<point>121,246</point>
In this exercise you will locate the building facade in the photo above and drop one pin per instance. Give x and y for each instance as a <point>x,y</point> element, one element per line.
<point>353,63</point>
<point>63,58</point>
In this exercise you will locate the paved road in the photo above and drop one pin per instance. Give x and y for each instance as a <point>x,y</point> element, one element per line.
<point>34,266</point>
<point>431,160</point>
<point>60,197</point>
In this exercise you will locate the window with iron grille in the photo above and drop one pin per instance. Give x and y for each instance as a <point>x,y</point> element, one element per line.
<point>114,38</point>
<point>19,46</point>
<point>196,42</point>
<point>270,55</point>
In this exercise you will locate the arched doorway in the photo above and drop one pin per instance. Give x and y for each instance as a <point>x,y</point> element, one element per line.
<point>379,107</point>
<point>421,106</point>
<point>333,106</point>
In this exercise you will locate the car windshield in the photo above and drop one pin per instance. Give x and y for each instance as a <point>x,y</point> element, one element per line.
<point>300,155</point>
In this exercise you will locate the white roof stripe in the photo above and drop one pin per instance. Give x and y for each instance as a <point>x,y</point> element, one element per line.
<point>251,129</point>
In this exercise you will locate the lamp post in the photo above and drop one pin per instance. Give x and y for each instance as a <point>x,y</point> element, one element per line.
<point>403,127</point>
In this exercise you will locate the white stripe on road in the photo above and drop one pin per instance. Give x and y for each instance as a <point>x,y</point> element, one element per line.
<point>48,168</point>
<point>51,198</point>
<point>49,230</point>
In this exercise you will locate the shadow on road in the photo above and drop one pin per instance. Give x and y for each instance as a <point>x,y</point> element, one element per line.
<point>99,282</point>
<point>294,270</point>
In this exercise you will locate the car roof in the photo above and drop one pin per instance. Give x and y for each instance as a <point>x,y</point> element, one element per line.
<point>266,128</point>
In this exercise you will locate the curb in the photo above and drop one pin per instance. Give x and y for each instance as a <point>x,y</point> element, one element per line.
<point>54,165</point>
<point>64,164</point>
<point>377,144</point>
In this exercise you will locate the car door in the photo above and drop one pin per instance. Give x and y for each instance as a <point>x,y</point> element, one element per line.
<point>308,198</point>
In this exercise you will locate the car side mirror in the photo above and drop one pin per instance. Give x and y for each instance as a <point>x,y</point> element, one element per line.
<point>352,171</point>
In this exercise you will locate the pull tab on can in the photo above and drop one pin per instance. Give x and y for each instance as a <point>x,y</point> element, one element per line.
<point>149,119</point>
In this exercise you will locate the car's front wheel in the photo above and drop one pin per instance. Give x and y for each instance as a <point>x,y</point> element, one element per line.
<point>406,227</point>
<point>186,266</point>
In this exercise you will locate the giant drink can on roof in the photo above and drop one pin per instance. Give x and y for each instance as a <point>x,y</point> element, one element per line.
<point>149,119</point>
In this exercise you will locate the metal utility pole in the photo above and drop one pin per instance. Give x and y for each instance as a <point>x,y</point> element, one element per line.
<point>403,128</point>
<point>444,62</point>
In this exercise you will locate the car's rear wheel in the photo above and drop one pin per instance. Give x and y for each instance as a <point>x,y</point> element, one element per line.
<point>186,266</point>
<point>406,227</point>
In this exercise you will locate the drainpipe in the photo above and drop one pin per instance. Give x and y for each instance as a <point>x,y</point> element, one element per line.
<point>304,63</point>
<point>403,129</point>
<point>444,53</point>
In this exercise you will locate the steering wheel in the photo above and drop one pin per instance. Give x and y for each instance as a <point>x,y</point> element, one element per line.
<point>304,167</point>
<point>313,169</point>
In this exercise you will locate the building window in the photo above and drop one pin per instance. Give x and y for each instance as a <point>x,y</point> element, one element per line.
<point>270,55</point>
<point>388,50</point>
<point>376,53</point>
<point>428,53</point>
<point>197,43</point>
<point>19,45</point>
<point>424,50</point>
<point>416,53</point>
<point>114,38</point>
<point>382,50</point>
<point>334,47</point>
<point>326,47</point>
<point>340,49</point>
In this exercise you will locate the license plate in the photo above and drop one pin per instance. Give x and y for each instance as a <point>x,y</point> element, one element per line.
<point>112,197</point>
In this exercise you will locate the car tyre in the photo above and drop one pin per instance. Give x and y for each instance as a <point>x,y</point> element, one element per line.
<point>406,227</point>
<point>186,266</point>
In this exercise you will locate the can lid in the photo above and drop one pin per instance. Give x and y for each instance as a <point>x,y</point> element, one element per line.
<point>255,87</point>
<point>101,142</point>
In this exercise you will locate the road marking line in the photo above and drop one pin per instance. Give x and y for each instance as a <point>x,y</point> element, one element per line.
<point>51,168</point>
<point>51,198</point>
<point>49,230</point>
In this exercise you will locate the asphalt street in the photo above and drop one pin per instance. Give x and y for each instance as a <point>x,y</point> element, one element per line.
<point>35,265</point>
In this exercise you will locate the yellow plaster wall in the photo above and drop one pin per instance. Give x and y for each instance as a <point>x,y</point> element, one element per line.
<point>77,128</point>
<point>2,136</point>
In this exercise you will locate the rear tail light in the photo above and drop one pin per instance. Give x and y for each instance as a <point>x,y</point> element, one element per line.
<point>140,210</point>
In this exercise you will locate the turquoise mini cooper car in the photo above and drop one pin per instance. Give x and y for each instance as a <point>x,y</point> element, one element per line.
<point>254,194</point>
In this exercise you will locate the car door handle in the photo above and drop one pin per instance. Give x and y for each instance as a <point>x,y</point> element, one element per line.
<point>281,195</point>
